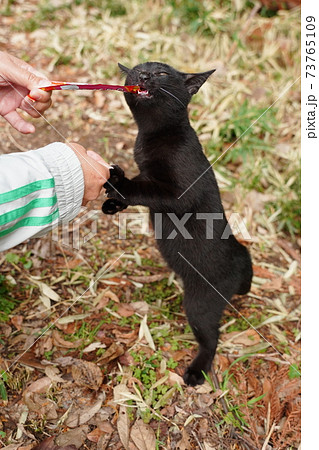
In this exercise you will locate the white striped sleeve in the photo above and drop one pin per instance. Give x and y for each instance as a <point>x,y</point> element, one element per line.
<point>38,189</point>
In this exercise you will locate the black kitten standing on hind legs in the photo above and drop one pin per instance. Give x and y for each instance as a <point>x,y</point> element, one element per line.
<point>178,185</point>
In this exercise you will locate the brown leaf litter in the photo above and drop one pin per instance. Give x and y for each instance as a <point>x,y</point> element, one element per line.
<point>68,389</point>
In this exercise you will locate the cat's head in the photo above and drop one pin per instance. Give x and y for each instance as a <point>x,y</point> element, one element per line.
<point>162,83</point>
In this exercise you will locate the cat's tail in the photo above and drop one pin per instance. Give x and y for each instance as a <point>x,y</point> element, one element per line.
<point>244,264</point>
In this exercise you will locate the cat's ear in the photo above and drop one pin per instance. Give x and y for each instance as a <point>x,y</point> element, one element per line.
<point>124,70</point>
<point>193,81</point>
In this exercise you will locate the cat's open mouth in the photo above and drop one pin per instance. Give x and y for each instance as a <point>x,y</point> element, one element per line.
<point>143,92</point>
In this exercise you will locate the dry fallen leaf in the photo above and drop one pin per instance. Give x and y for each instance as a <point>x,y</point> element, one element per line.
<point>28,359</point>
<point>103,302</point>
<point>58,341</point>
<point>102,434</point>
<point>144,331</point>
<point>64,361</point>
<point>141,307</point>
<point>114,351</point>
<point>75,437</point>
<point>112,296</point>
<point>119,392</point>
<point>247,338</point>
<point>174,378</point>
<point>273,285</point>
<point>68,328</point>
<point>17,321</point>
<point>123,422</point>
<point>184,443</point>
<point>143,436</point>
<point>69,319</point>
<point>126,359</point>
<point>49,444</point>
<point>148,278</point>
<point>106,427</point>
<point>44,344</point>
<point>48,292</point>
<point>125,310</point>
<point>45,289</point>
<point>126,337</point>
<point>11,447</point>
<point>208,446</point>
<point>87,374</point>
<point>37,403</point>
<point>204,388</point>
<point>256,200</point>
<point>262,272</point>
<point>53,374</point>
<point>39,386</point>
<point>81,416</point>
<point>123,426</point>
<point>95,435</point>
<point>267,390</point>
<point>46,301</point>
<point>5,330</point>
<point>93,346</point>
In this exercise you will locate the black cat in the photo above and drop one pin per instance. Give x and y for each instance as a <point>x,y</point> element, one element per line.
<point>178,185</point>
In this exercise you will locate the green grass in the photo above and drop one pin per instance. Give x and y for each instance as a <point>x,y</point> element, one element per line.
<point>294,371</point>
<point>47,12</point>
<point>153,393</point>
<point>252,139</point>
<point>236,411</point>
<point>251,149</point>
<point>158,290</point>
<point>7,302</point>
<point>3,390</point>
<point>8,8</point>
<point>256,59</point>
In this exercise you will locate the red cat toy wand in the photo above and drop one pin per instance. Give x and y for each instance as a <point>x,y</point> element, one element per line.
<point>65,85</point>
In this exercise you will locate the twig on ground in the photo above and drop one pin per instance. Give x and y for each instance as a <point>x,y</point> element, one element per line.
<point>217,386</point>
<point>265,444</point>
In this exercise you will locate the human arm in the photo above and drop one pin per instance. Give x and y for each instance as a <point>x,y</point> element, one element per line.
<point>18,80</point>
<point>41,188</point>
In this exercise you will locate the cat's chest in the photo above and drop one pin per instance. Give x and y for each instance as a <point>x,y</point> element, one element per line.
<point>149,159</point>
<point>151,150</point>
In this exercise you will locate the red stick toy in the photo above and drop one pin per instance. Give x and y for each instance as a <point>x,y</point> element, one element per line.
<point>65,85</point>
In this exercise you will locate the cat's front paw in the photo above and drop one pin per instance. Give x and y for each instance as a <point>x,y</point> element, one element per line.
<point>193,376</point>
<point>115,180</point>
<point>112,206</point>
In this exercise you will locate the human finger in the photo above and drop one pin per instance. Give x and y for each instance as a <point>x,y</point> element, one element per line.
<point>95,174</point>
<point>39,94</point>
<point>15,71</point>
<point>35,109</point>
<point>98,158</point>
<point>19,123</point>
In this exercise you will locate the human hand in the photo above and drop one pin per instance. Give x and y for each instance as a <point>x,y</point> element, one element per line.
<point>95,171</point>
<point>17,80</point>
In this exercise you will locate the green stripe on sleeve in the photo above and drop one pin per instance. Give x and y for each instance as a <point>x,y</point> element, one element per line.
<point>26,189</point>
<point>19,212</point>
<point>32,222</point>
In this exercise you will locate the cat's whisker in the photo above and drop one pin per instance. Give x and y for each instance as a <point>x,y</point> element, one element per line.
<point>172,95</point>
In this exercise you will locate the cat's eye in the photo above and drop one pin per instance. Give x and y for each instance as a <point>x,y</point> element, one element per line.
<point>161,74</point>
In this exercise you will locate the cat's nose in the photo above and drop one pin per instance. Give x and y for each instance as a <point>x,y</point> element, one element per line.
<point>144,76</point>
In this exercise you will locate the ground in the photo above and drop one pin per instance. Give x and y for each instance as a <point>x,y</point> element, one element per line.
<point>93,338</point>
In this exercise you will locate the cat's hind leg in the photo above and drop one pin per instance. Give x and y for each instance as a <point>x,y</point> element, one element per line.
<point>243,262</point>
<point>204,310</point>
